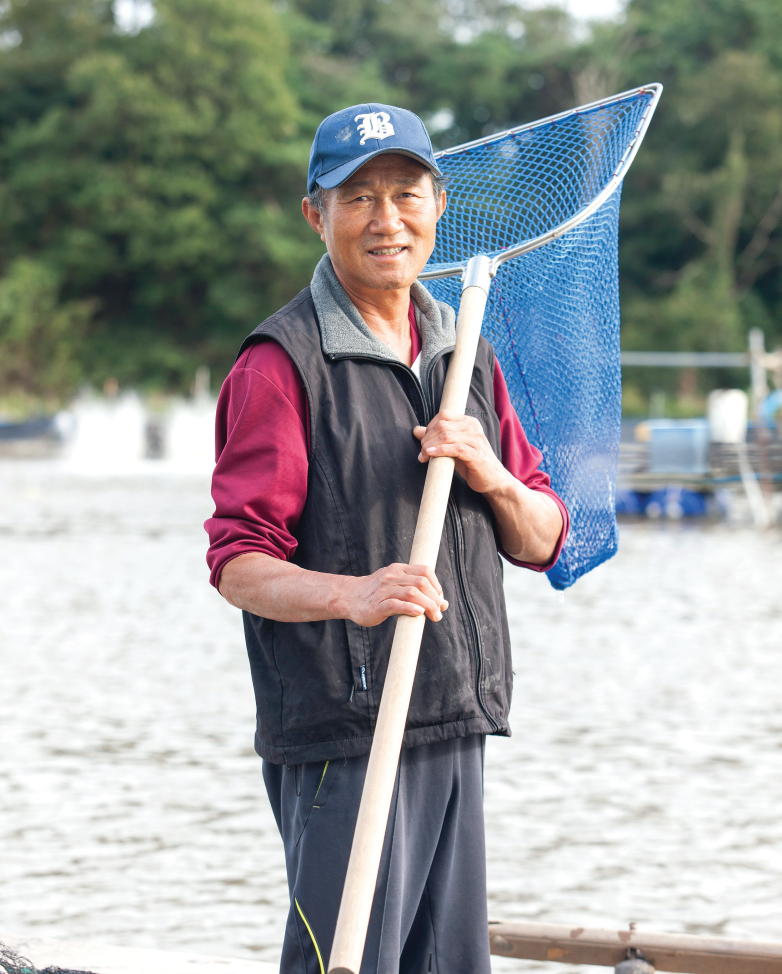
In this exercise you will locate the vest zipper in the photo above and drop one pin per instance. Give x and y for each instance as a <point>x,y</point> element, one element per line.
<point>427,414</point>
<point>475,632</point>
<point>474,636</point>
<point>427,384</point>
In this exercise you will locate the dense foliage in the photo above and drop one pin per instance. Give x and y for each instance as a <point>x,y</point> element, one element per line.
<point>149,188</point>
<point>150,180</point>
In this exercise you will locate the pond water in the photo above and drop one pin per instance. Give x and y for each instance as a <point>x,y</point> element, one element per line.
<point>643,781</point>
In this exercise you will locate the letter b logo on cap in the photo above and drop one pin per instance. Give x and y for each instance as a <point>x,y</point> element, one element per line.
<point>375,125</point>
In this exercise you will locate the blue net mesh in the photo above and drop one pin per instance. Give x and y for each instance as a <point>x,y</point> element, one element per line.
<point>553,313</point>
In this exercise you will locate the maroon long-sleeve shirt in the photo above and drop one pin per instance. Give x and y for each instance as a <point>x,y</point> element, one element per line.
<point>259,484</point>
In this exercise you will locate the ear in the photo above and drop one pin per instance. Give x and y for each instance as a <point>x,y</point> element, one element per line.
<point>313,217</point>
<point>441,204</point>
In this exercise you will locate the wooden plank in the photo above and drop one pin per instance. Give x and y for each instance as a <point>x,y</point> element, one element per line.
<point>666,951</point>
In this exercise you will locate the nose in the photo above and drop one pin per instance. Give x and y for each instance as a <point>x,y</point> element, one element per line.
<point>385,218</point>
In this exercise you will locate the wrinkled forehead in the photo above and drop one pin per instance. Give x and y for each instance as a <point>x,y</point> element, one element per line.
<point>390,168</point>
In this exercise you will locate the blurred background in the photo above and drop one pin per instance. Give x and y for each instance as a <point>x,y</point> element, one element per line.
<point>152,162</point>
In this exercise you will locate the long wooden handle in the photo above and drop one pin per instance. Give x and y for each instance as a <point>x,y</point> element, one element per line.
<point>359,890</point>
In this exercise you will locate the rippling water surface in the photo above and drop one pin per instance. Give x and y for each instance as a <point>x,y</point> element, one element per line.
<point>643,781</point>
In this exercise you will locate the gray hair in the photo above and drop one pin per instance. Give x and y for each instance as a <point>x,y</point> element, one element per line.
<point>318,195</point>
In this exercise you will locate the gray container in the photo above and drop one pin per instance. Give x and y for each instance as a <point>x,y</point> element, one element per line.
<point>679,446</point>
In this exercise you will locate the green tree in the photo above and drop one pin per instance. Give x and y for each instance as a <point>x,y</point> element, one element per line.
<point>150,182</point>
<point>154,178</point>
<point>483,64</point>
<point>157,175</point>
<point>40,335</point>
<point>701,245</point>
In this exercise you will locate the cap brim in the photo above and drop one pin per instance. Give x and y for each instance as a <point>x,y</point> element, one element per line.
<point>336,177</point>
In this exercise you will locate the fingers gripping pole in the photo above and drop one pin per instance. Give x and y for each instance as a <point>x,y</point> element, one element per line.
<point>359,890</point>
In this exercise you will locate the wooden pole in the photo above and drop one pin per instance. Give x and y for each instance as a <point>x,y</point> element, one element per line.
<point>665,951</point>
<point>359,890</point>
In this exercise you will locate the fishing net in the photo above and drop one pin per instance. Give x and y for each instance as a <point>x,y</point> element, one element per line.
<point>13,963</point>
<point>553,313</point>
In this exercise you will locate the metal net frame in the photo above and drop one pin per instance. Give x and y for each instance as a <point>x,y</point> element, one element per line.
<point>542,201</point>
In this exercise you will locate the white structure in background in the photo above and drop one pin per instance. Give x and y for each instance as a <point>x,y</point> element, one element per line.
<point>119,435</point>
<point>728,411</point>
<point>190,431</point>
<point>105,434</point>
<point>190,435</point>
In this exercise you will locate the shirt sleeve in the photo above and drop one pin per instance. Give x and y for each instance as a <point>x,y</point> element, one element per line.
<point>259,484</point>
<point>522,459</point>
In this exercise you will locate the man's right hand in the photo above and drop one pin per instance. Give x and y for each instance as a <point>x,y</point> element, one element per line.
<point>397,590</point>
<point>284,592</point>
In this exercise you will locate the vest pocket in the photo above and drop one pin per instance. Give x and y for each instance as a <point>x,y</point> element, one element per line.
<point>358,646</point>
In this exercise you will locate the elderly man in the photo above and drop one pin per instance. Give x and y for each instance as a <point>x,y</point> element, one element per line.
<point>324,428</point>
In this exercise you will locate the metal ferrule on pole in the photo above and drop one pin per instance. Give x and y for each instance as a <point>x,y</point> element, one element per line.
<point>478,273</point>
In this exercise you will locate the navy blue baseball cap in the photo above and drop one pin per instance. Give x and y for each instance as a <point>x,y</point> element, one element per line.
<point>349,138</point>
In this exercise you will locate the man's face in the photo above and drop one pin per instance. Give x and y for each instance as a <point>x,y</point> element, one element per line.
<point>379,225</point>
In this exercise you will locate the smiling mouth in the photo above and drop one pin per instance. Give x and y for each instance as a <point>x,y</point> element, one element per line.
<point>387,251</point>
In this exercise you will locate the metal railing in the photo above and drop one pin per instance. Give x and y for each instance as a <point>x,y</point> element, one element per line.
<point>756,359</point>
<point>688,360</point>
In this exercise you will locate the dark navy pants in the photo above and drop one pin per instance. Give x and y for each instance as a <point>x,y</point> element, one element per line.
<point>429,913</point>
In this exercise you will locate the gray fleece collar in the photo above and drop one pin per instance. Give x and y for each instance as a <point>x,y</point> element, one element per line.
<point>345,334</point>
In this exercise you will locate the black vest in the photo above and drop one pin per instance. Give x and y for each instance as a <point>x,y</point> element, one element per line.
<point>318,684</point>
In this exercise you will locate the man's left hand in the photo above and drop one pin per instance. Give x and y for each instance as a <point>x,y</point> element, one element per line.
<point>529,521</point>
<point>462,437</point>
